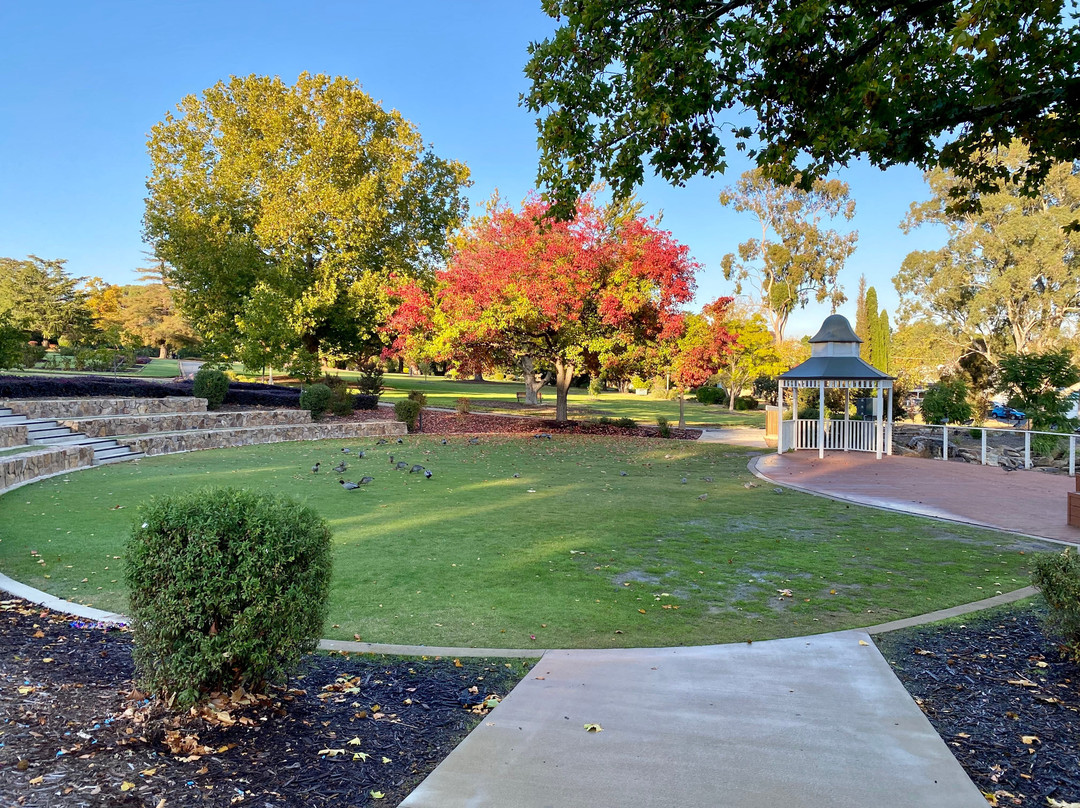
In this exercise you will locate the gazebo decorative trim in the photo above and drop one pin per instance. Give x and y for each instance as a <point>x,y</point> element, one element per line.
<point>835,364</point>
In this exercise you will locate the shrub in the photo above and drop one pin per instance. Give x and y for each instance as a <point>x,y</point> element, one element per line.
<point>710,395</point>
<point>333,381</point>
<point>370,381</point>
<point>626,423</point>
<point>341,401</point>
<point>227,588</point>
<point>316,399</point>
<point>662,424</point>
<point>1057,577</point>
<point>596,387</point>
<point>365,402</point>
<point>764,389</point>
<point>418,396</point>
<point>744,403</point>
<point>212,385</point>
<point>31,355</point>
<point>462,406</point>
<point>407,411</point>
<point>946,401</point>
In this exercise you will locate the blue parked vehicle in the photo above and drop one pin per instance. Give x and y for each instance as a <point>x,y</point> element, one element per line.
<point>1003,413</point>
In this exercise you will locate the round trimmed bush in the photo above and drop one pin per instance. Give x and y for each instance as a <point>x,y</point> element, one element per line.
<point>710,395</point>
<point>743,403</point>
<point>316,398</point>
<point>407,410</point>
<point>228,587</point>
<point>212,385</point>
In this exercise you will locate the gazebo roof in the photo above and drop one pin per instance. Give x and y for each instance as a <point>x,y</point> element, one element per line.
<point>835,328</point>
<point>840,368</point>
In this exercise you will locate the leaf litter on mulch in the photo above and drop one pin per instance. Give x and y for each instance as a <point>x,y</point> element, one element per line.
<point>1003,697</point>
<point>344,731</point>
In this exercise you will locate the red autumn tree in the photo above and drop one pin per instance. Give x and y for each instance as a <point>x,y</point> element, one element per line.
<point>565,294</point>
<point>702,348</point>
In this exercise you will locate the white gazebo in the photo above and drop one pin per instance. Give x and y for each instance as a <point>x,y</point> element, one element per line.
<point>834,363</point>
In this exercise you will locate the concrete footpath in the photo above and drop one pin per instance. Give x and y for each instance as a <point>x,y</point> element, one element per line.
<point>809,722</point>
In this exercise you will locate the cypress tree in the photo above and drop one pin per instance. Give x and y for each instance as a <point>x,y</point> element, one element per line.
<point>882,359</point>
<point>860,315</point>
<point>866,350</point>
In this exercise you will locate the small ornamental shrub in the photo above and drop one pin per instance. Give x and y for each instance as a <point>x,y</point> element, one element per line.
<point>228,588</point>
<point>462,406</point>
<point>710,395</point>
<point>407,411</point>
<point>370,380</point>
<point>596,387</point>
<point>418,396</point>
<point>744,403</point>
<point>626,423</point>
<point>662,424</point>
<point>212,385</point>
<point>333,381</point>
<point>316,399</point>
<point>341,401</point>
<point>1057,577</point>
<point>365,402</point>
<point>946,401</point>
<point>32,355</point>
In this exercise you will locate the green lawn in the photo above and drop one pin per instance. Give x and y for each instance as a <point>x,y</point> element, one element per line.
<point>502,397</point>
<point>570,552</point>
<point>155,369</point>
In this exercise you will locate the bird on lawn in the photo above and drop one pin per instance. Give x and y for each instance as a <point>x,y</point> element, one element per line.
<point>399,440</point>
<point>703,497</point>
<point>345,450</point>
<point>473,441</point>
<point>381,441</point>
<point>391,459</point>
<point>340,467</point>
<point>444,441</point>
<point>683,481</point>
<point>427,474</point>
<point>707,479</point>
<point>516,475</point>
<point>315,469</point>
<point>543,436</point>
<point>348,486</point>
<point>623,474</point>
<point>366,480</point>
<point>400,465</point>
<point>361,453</point>
<point>416,469</point>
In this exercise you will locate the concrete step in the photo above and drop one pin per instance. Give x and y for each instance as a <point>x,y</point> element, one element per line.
<point>103,458</point>
<point>9,419</point>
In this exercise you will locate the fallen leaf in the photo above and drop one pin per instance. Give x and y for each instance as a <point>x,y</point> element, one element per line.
<point>148,772</point>
<point>457,663</point>
<point>26,690</point>
<point>642,611</point>
<point>386,760</point>
<point>1030,739</point>
<point>361,756</point>
<point>593,728</point>
<point>355,742</point>
<point>126,786</point>
<point>48,659</point>
<point>377,795</point>
<point>38,634</point>
<point>331,752</point>
<point>1059,804</point>
<point>921,652</point>
<point>863,642</point>
<point>36,781</point>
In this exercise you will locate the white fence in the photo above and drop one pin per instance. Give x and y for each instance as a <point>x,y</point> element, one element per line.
<point>986,457</point>
<point>855,436</point>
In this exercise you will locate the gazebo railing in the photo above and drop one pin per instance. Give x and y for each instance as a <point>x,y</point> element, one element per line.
<point>854,436</point>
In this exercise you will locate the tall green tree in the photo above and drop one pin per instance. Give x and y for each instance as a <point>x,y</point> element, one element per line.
<point>1006,280</point>
<point>1037,384</point>
<point>261,191</point>
<point>796,255</point>
<point>866,349</point>
<point>881,337</point>
<point>625,84</point>
<point>860,312</point>
<point>750,355</point>
<point>40,296</point>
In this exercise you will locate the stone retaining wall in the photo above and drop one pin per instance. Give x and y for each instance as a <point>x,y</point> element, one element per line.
<point>14,435</point>
<point>56,408</point>
<point>111,426</point>
<point>27,466</point>
<point>225,438</point>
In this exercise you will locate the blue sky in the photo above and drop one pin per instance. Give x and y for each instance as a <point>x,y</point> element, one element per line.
<point>81,85</point>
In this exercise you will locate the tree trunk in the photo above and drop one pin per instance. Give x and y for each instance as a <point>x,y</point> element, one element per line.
<point>682,417</point>
<point>564,374</point>
<point>731,390</point>
<point>532,384</point>
<point>478,376</point>
<point>414,369</point>
<point>624,385</point>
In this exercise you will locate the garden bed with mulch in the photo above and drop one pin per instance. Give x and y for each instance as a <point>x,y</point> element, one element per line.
<point>344,731</point>
<point>440,422</point>
<point>1004,699</point>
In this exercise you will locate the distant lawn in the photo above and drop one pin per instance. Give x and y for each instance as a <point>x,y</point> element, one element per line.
<point>570,552</point>
<point>502,397</point>
<point>154,369</point>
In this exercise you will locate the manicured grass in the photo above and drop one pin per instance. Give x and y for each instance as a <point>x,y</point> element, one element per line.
<point>502,397</point>
<point>570,552</point>
<point>155,369</point>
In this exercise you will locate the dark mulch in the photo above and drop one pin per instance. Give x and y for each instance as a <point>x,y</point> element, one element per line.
<point>1005,700</point>
<point>74,732</point>
<point>450,423</point>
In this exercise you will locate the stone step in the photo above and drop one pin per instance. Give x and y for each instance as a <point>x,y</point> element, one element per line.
<point>193,440</point>
<point>176,422</point>
<point>115,454</point>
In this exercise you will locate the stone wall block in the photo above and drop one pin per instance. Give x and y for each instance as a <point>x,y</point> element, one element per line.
<point>14,435</point>
<point>225,438</point>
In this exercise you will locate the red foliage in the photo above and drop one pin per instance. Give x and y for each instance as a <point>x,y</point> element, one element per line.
<point>704,345</point>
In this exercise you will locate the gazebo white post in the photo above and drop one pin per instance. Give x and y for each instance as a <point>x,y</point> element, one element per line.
<point>847,417</point>
<point>780,416</point>
<point>821,418</point>
<point>888,437</point>
<point>878,431</point>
